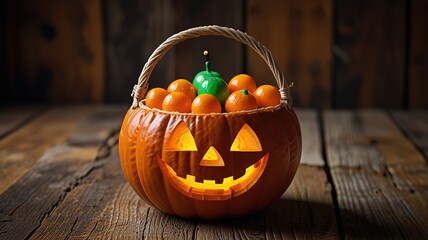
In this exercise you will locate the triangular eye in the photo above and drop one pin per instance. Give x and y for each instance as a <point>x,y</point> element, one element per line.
<point>181,139</point>
<point>246,141</point>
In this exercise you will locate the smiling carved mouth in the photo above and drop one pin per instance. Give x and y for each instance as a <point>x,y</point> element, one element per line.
<point>209,189</point>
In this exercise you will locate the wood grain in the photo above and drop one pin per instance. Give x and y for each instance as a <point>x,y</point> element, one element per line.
<point>306,211</point>
<point>418,54</point>
<point>311,134</point>
<point>415,125</point>
<point>369,52</point>
<point>372,139</point>
<point>373,167</point>
<point>226,56</point>
<point>20,150</point>
<point>133,30</point>
<point>25,205</point>
<point>380,207</point>
<point>59,52</point>
<point>299,35</point>
<point>101,205</point>
<point>13,117</point>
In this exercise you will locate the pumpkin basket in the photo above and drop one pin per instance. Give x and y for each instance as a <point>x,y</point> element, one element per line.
<point>161,152</point>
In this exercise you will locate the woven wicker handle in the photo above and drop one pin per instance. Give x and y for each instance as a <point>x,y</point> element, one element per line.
<point>140,88</point>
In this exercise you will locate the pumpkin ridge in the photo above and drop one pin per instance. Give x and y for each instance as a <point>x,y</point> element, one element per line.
<point>131,173</point>
<point>143,166</point>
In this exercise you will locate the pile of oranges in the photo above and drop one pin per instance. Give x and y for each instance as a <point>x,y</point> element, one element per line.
<point>181,96</point>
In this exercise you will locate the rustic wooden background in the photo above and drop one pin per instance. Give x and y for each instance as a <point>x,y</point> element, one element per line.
<point>339,53</point>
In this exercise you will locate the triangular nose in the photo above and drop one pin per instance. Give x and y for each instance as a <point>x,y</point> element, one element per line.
<point>212,158</point>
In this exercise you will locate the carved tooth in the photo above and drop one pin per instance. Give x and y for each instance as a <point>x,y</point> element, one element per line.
<point>228,179</point>
<point>190,178</point>
<point>209,182</point>
<point>249,169</point>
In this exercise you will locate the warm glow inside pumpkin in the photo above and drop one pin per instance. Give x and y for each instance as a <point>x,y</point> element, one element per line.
<point>210,166</point>
<point>246,140</point>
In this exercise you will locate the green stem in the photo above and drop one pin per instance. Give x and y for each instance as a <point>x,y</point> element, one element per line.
<point>245,92</point>
<point>207,66</point>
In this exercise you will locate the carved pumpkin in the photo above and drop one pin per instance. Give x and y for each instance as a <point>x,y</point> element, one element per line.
<point>210,165</point>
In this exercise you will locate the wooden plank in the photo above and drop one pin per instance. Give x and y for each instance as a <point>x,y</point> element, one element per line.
<point>311,134</point>
<point>19,151</point>
<point>418,54</point>
<point>367,139</point>
<point>369,54</point>
<point>13,117</point>
<point>133,30</point>
<point>378,210</point>
<point>306,210</point>
<point>47,32</point>
<point>412,183</point>
<point>25,205</point>
<point>299,35</point>
<point>378,175</point>
<point>415,126</point>
<point>249,227</point>
<point>226,56</point>
<point>162,226</point>
<point>102,205</point>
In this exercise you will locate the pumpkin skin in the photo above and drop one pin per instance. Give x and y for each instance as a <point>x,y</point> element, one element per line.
<point>143,144</point>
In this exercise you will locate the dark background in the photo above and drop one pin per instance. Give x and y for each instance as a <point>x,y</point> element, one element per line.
<point>339,53</point>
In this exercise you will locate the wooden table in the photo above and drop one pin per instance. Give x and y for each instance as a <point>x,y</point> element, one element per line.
<point>363,174</point>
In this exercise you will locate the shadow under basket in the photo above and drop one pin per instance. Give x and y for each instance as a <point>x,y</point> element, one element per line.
<point>254,154</point>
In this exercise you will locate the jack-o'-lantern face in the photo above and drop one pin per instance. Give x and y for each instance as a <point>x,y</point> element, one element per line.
<point>181,140</point>
<point>210,166</point>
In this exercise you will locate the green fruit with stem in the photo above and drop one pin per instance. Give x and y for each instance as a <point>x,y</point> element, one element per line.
<point>211,82</point>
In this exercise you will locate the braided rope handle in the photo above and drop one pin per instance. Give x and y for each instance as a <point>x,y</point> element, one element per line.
<point>140,89</point>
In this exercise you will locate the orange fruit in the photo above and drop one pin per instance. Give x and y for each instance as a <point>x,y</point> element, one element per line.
<point>177,102</point>
<point>267,95</point>
<point>184,86</point>
<point>155,97</point>
<point>241,82</point>
<point>240,100</point>
<point>206,103</point>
